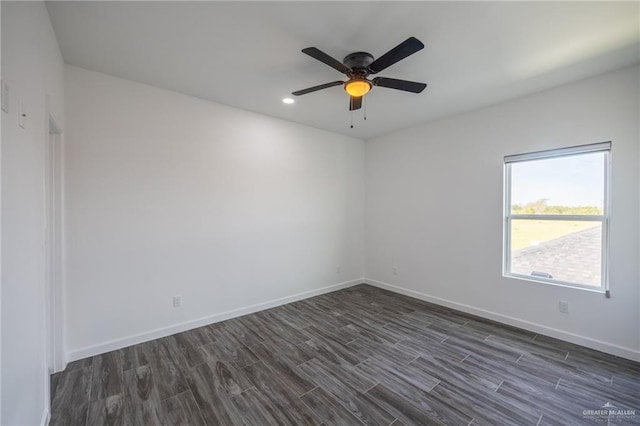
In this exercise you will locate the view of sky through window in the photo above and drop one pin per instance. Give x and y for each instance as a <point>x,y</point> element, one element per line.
<point>576,180</point>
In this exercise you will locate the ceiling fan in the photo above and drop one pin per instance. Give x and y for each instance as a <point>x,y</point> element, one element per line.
<point>359,65</point>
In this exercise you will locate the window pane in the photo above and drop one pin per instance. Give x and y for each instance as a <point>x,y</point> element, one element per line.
<point>572,185</point>
<point>569,251</point>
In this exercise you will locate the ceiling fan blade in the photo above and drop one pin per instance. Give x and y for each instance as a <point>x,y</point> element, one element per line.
<point>398,53</point>
<point>392,83</point>
<point>326,59</point>
<point>316,88</point>
<point>355,103</point>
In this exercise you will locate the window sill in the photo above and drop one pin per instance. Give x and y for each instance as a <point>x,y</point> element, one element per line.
<point>592,289</point>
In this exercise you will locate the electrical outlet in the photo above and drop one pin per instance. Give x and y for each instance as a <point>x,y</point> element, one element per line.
<point>563,306</point>
<point>177,301</point>
<point>395,270</point>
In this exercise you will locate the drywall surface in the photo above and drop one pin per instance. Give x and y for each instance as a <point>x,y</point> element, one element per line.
<point>32,67</point>
<point>0,225</point>
<point>434,209</point>
<point>169,195</point>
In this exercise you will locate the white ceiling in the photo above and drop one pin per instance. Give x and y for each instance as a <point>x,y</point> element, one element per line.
<point>247,54</point>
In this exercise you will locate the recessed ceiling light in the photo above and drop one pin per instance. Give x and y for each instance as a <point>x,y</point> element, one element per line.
<point>288,101</point>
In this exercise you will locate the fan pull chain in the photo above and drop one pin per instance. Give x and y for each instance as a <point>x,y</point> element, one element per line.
<point>351,114</point>
<point>364,101</point>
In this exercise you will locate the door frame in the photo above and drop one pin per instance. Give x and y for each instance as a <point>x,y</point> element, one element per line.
<point>54,246</point>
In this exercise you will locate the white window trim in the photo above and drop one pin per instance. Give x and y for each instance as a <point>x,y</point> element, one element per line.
<point>604,219</point>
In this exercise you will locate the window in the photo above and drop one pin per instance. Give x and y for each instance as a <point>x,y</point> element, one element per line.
<point>556,216</point>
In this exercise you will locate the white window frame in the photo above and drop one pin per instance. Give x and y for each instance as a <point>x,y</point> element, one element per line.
<point>604,219</point>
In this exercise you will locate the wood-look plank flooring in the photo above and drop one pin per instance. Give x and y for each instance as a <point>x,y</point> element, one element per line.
<point>355,356</point>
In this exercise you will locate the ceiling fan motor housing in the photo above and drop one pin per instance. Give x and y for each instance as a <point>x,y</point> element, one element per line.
<point>358,61</point>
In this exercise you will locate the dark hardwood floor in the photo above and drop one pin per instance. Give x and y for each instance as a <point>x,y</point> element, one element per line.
<point>360,355</point>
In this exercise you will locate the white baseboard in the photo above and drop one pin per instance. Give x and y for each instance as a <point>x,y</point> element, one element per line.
<point>609,348</point>
<point>188,325</point>
<point>44,421</point>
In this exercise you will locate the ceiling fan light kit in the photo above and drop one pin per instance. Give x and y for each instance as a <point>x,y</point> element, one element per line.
<point>357,87</point>
<point>359,65</point>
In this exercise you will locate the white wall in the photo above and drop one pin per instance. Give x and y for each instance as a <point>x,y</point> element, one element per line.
<point>434,209</point>
<point>0,223</point>
<point>172,195</point>
<point>1,120</point>
<point>33,68</point>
